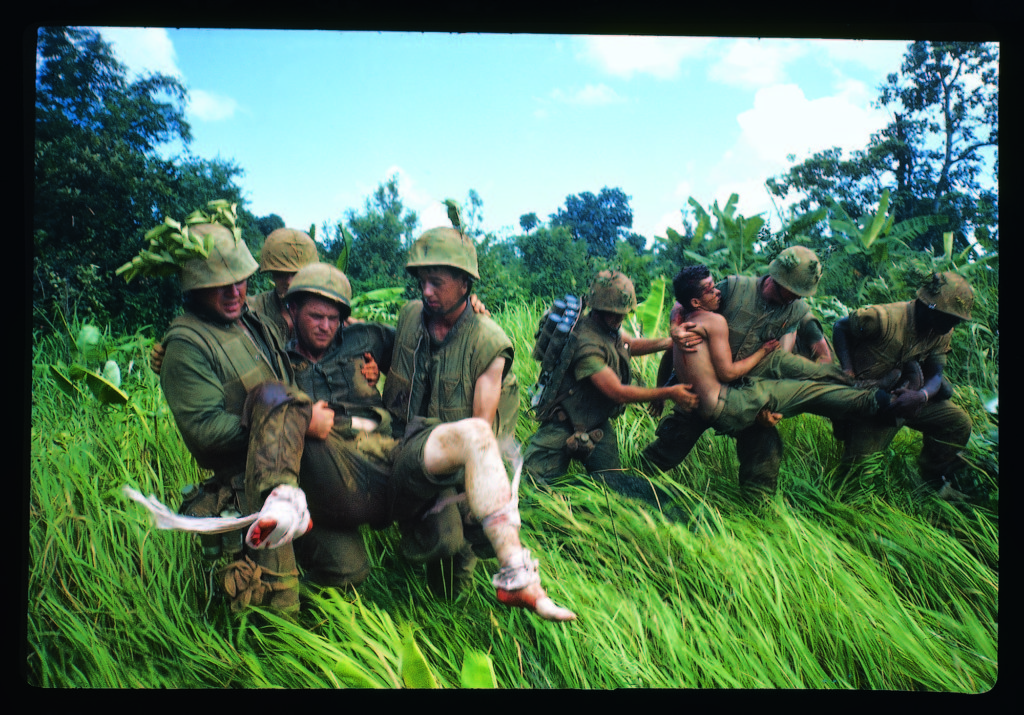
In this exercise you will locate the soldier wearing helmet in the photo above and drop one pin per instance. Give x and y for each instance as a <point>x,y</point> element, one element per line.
<point>285,251</point>
<point>595,388</point>
<point>756,309</point>
<point>229,386</point>
<point>882,340</point>
<point>451,387</point>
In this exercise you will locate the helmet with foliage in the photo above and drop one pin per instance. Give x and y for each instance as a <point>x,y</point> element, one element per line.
<point>797,269</point>
<point>443,247</point>
<point>948,293</point>
<point>325,281</point>
<point>228,263</point>
<point>613,292</point>
<point>287,249</point>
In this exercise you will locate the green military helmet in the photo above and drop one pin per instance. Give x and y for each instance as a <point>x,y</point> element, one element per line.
<point>287,249</point>
<point>613,292</point>
<point>443,247</point>
<point>228,263</point>
<point>797,269</point>
<point>326,281</point>
<point>948,293</point>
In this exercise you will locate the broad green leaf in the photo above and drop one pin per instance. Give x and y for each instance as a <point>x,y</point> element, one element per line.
<point>64,383</point>
<point>478,671</point>
<point>649,312</point>
<point>416,671</point>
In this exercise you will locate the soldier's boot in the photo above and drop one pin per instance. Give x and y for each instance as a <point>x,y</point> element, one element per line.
<point>266,577</point>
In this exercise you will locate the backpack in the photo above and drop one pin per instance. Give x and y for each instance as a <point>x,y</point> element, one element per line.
<point>554,343</point>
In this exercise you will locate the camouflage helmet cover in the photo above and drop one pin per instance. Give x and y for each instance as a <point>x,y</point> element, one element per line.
<point>229,262</point>
<point>613,292</point>
<point>797,269</point>
<point>443,247</point>
<point>948,293</point>
<point>324,280</point>
<point>287,249</point>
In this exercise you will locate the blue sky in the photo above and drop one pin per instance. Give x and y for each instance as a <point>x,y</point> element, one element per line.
<point>318,119</point>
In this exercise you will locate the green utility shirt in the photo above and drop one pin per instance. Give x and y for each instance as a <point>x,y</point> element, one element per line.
<point>208,370</point>
<point>753,320</point>
<point>438,379</point>
<point>885,336</point>
<point>269,307</point>
<point>337,377</point>
<point>595,348</point>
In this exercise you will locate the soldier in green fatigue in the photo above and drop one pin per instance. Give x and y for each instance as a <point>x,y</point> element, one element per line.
<point>730,401</point>
<point>284,252</point>
<point>346,476</point>
<point>879,342</point>
<point>594,389</point>
<point>229,386</point>
<point>450,363</point>
<point>756,309</point>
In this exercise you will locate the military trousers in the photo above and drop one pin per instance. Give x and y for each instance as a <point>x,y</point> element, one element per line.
<point>945,429</point>
<point>548,456</point>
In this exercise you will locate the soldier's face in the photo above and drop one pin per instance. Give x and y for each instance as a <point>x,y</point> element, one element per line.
<point>316,324</point>
<point>710,297</point>
<point>226,302</point>
<point>282,281</point>
<point>442,289</point>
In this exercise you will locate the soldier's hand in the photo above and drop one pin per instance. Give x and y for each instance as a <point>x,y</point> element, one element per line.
<point>322,421</point>
<point>683,337</point>
<point>681,395</point>
<point>770,346</point>
<point>156,357</point>
<point>908,403</point>
<point>768,418</point>
<point>477,305</point>
<point>370,369</point>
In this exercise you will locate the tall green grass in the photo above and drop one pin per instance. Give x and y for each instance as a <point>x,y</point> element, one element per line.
<point>885,589</point>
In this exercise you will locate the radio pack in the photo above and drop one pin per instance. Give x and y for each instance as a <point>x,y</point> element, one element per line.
<point>553,345</point>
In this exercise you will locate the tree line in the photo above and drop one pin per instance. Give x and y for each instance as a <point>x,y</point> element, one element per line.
<point>925,186</point>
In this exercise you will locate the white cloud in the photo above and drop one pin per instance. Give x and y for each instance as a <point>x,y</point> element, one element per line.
<point>143,49</point>
<point>591,95</point>
<point>756,63</point>
<point>877,55</point>
<point>783,121</point>
<point>624,56</point>
<point>210,107</point>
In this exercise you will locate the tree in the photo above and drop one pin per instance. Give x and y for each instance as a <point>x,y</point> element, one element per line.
<point>938,156</point>
<point>269,224</point>
<point>380,237</point>
<point>554,263</point>
<point>99,183</point>
<point>528,222</point>
<point>598,221</point>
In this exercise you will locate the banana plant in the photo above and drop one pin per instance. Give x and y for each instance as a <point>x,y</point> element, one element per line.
<point>104,385</point>
<point>875,234</point>
<point>725,240</point>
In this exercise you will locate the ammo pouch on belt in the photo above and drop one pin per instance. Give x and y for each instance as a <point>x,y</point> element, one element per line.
<point>207,499</point>
<point>582,443</point>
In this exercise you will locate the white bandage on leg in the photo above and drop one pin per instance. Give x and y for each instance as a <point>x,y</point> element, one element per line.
<point>518,574</point>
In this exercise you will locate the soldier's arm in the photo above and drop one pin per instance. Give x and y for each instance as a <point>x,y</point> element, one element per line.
<point>608,384</point>
<point>721,355</point>
<point>841,338</point>
<point>487,391</point>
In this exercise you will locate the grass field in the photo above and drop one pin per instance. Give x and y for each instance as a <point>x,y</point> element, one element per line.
<point>886,589</point>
